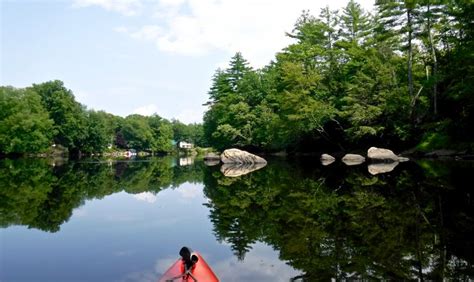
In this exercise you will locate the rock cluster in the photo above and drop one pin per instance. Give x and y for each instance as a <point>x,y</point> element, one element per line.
<point>382,160</point>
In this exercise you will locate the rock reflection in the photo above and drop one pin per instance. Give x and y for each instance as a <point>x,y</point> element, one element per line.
<point>234,170</point>
<point>212,162</point>
<point>377,168</point>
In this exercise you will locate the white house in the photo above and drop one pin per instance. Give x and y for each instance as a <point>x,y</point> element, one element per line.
<point>185,145</point>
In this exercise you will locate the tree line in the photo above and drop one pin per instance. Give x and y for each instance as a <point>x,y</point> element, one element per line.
<point>35,118</point>
<point>402,76</point>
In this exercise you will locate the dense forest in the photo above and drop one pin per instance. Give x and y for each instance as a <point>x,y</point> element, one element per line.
<point>37,117</point>
<point>401,77</point>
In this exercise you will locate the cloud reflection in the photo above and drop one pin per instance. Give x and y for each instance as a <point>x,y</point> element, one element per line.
<point>189,192</point>
<point>146,197</point>
<point>260,264</point>
<point>80,212</point>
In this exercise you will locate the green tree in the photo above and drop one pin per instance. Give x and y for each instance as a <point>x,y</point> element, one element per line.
<point>355,24</point>
<point>137,132</point>
<point>25,126</point>
<point>99,132</point>
<point>162,134</point>
<point>69,116</point>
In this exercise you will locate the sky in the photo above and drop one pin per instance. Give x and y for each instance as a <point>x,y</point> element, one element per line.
<point>142,56</point>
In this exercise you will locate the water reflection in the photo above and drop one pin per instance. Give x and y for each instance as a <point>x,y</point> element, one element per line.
<point>326,222</point>
<point>235,169</point>
<point>343,223</point>
<point>41,196</point>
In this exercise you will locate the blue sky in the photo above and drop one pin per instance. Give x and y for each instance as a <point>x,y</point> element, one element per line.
<point>141,56</point>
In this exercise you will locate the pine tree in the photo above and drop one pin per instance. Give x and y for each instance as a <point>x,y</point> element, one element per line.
<point>355,23</point>
<point>236,71</point>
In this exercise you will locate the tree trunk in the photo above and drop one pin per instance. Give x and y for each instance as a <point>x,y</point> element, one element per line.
<point>410,52</point>
<point>435,63</point>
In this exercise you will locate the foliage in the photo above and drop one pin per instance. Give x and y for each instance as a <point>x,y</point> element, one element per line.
<point>352,77</point>
<point>34,118</point>
<point>25,126</point>
<point>68,115</point>
<point>192,133</point>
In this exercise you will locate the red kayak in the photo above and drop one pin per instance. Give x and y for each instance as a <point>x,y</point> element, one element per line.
<point>189,268</point>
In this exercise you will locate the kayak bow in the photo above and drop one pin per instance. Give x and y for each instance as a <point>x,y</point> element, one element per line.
<point>190,268</point>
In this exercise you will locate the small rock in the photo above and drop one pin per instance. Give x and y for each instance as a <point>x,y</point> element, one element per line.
<point>327,159</point>
<point>353,159</point>
<point>237,156</point>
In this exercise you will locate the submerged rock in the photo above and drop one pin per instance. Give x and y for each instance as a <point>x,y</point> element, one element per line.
<point>381,154</point>
<point>212,162</point>
<point>378,168</point>
<point>327,159</point>
<point>212,157</point>
<point>353,159</point>
<point>236,156</point>
<point>441,153</point>
<point>234,170</point>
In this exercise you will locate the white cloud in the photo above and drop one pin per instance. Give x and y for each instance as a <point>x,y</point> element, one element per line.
<point>121,29</point>
<point>190,116</point>
<point>146,110</point>
<point>148,32</point>
<point>124,7</point>
<point>254,27</point>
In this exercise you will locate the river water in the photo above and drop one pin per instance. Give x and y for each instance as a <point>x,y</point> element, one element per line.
<point>293,219</point>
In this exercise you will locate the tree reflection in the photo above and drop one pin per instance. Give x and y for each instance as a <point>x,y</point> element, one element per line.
<point>336,222</point>
<point>37,195</point>
<point>347,224</point>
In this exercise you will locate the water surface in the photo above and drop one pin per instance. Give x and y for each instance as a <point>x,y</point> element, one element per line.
<point>126,220</point>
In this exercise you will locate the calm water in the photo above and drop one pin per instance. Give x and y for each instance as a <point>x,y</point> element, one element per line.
<point>126,220</point>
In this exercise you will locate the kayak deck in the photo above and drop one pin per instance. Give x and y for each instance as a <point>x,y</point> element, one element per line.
<point>201,271</point>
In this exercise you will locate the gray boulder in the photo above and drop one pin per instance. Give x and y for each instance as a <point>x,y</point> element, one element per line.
<point>353,159</point>
<point>236,156</point>
<point>234,170</point>
<point>381,154</point>
<point>327,159</point>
